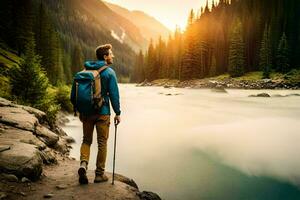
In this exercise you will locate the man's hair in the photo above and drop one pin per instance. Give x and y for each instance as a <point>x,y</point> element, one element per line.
<point>103,50</point>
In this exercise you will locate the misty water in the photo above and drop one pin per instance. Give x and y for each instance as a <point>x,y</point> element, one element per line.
<point>198,144</point>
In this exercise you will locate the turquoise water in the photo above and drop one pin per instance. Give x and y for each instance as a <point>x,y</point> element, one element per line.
<point>199,144</point>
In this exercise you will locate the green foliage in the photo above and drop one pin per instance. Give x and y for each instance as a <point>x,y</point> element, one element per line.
<point>236,51</point>
<point>265,62</point>
<point>62,97</point>
<point>5,88</point>
<point>293,76</point>
<point>49,105</point>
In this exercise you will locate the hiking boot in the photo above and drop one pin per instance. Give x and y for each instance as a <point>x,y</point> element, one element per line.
<point>82,173</point>
<point>100,178</point>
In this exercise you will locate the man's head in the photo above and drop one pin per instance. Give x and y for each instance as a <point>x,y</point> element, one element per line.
<point>104,52</point>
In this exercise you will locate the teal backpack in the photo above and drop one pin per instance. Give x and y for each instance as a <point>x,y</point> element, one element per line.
<point>86,92</point>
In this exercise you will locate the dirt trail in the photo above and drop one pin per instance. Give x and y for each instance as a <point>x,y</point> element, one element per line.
<point>61,182</point>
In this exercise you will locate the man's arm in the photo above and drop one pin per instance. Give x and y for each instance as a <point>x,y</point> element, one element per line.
<point>114,96</point>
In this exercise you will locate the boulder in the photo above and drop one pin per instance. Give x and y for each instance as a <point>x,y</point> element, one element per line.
<point>22,159</point>
<point>61,146</point>
<point>263,95</point>
<point>126,180</point>
<point>37,113</point>
<point>260,95</point>
<point>18,117</point>
<point>45,135</point>
<point>5,102</point>
<point>48,156</point>
<point>9,177</point>
<point>20,135</point>
<point>145,195</point>
<point>4,147</point>
<point>68,139</point>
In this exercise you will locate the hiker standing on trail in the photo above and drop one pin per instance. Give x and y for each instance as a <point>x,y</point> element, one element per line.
<point>100,117</point>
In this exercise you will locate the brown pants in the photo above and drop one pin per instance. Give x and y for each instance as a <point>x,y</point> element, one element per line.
<point>102,123</point>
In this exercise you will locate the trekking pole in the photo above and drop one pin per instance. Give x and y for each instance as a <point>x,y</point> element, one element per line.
<point>114,160</point>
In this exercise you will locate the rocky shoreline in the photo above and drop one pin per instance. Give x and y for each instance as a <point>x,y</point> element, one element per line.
<point>35,162</point>
<point>224,83</point>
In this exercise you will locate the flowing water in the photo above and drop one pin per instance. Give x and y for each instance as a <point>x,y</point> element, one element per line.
<point>198,144</point>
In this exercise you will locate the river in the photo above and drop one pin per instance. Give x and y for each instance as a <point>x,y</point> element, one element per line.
<point>194,144</point>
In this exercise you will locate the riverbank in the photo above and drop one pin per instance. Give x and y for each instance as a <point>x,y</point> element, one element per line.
<point>251,80</point>
<point>35,162</point>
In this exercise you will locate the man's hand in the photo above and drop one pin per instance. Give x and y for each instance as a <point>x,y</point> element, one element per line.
<point>117,119</point>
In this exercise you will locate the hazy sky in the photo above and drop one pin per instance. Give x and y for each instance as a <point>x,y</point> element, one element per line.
<point>169,12</point>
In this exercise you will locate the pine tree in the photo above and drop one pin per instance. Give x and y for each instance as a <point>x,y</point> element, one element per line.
<point>77,59</point>
<point>138,74</point>
<point>265,62</point>
<point>151,64</point>
<point>236,51</point>
<point>29,82</point>
<point>282,57</point>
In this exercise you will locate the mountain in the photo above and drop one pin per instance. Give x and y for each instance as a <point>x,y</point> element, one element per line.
<point>151,28</point>
<point>95,13</point>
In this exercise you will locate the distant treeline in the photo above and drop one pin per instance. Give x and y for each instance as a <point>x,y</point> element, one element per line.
<point>60,35</point>
<point>232,37</point>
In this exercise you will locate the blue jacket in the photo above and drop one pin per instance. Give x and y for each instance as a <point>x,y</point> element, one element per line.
<point>109,87</point>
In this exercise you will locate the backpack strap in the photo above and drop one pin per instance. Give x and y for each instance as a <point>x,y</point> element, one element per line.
<point>102,68</point>
<point>98,83</point>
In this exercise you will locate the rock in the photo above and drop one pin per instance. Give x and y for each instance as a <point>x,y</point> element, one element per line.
<point>68,139</point>
<point>25,180</point>
<point>263,95</point>
<point>169,94</point>
<point>260,95</point>
<point>3,195</point>
<point>47,136</point>
<point>20,135</point>
<point>48,156</point>
<point>18,117</point>
<point>22,193</point>
<point>61,146</point>
<point>49,195</point>
<point>40,115</point>
<point>145,195</point>
<point>61,118</point>
<point>58,130</point>
<point>37,113</point>
<point>278,95</point>
<point>10,177</point>
<point>219,89</point>
<point>4,147</point>
<point>61,187</point>
<point>126,180</point>
<point>5,102</point>
<point>22,160</point>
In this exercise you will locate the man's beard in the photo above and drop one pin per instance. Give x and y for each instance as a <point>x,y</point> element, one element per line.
<point>109,62</point>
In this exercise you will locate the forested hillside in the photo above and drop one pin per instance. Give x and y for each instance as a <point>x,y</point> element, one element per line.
<point>234,37</point>
<point>66,33</point>
<point>44,42</point>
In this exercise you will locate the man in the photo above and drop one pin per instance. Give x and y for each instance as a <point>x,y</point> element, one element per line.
<point>101,119</point>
